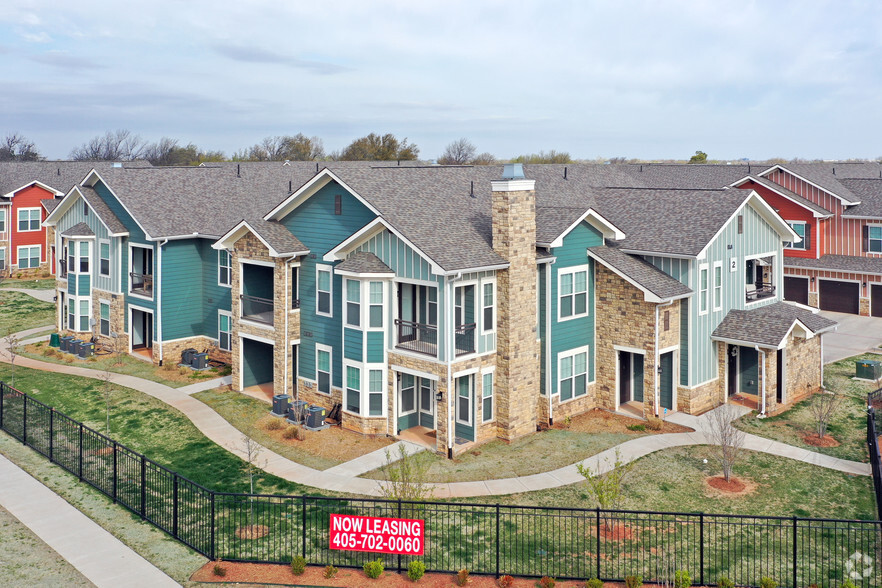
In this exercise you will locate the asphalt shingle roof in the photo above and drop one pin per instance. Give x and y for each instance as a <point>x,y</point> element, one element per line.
<point>110,220</point>
<point>277,236</point>
<point>870,193</point>
<point>838,263</point>
<point>768,325</point>
<point>364,262</point>
<point>822,174</point>
<point>646,275</point>
<point>805,202</point>
<point>60,175</point>
<point>688,176</point>
<point>79,230</point>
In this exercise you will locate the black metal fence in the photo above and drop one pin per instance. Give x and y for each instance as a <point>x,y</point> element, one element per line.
<point>874,402</point>
<point>484,538</point>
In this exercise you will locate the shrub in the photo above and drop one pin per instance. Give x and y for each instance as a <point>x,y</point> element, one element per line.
<point>633,581</point>
<point>48,352</point>
<point>92,359</point>
<point>415,570</point>
<point>847,584</point>
<point>330,572</point>
<point>183,370</point>
<point>767,582</point>
<point>637,427</point>
<point>546,582</point>
<point>725,582</point>
<point>653,423</point>
<point>594,583</point>
<point>374,569</point>
<point>219,570</point>
<point>505,581</point>
<point>68,358</point>
<point>275,425</point>
<point>298,565</point>
<point>682,579</point>
<point>290,432</point>
<point>462,577</point>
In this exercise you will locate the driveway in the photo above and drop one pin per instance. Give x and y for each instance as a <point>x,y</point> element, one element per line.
<point>854,335</point>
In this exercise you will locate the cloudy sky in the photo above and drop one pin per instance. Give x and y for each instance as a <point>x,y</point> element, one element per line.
<point>646,79</point>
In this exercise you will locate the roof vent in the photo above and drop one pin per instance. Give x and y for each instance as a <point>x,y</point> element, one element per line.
<point>116,164</point>
<point>513,171</point>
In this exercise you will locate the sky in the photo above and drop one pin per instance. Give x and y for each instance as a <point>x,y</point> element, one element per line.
<point>612,78</point>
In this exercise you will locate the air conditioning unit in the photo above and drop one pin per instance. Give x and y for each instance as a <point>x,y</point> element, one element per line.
<point>315,418</point>
<point>65,343</point>
<point>297,412</point>
<point>187,356</point>
<point>75,347</point>
<point>86,349</point>
<point>199,361</point>
<point>281,402</point>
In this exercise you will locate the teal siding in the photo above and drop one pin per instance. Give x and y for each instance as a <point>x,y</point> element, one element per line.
<point>578,332</point>
<point>684,342</point>
<point>375,347</point>
<point>84,285</point>
<point>540,292</point>
<point>183,312</point>
<point>75,215</point>
<point>317,227</point>
<point>353,344</point>
<point>257,362</point>
<point>214,296</point>
<point>72,284</point>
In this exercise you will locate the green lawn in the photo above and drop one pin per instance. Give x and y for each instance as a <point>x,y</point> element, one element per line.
<point>19,312</point>
<point>40,284</point>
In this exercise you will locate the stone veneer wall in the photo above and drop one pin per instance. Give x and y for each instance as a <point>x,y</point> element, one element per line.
<point>117,319</point>
<point>708,395</point>
<point>396,360</point>
<point>517,372</point>
<point>803,367</point>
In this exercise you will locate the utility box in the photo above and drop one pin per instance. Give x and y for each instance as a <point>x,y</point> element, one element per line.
<point>187,356</point>
<point>297,412</point>
<point>74,347</point>
<point>65,343</point>
<point>53,340</point>
<point>200,361</point>
<point>86,349</point>
<point>868,370</point>
<point>281,402</point>
<point>315,418</point>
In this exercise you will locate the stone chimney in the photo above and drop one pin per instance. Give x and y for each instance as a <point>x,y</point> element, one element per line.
<point>517,351</point>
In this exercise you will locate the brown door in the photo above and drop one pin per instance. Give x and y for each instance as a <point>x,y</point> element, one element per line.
<point>796,289</point>
<point>876,300</point>
<point>839,296</point>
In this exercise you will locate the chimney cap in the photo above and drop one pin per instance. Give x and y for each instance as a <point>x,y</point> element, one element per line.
<point>513,171</point>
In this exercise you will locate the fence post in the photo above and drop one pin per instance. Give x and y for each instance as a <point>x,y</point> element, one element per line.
<point>115,471</point>
<point>2,394</point>
<point>80,469</point>
<point>52,435</point>
<point>175,507</point>
<point>597,513</point>
<point>303,523</point>
<point>143,487</point>
<point>701,548</point>
<point>497,539</point>
<point>211,548</point>
<point>399,516</point>
<point>794,552</point>
<point>24,420</point>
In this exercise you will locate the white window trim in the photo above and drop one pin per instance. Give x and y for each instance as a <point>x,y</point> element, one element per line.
<point>100,304</point>
<point>129,277</point>
<point>492,283</point>
<point>359,301</point>
<point>366,304</point>
<point>18,255</point>
<point>3,261</point>
<point>870,240</point>
<point>793,246</point>
<point>361,393</point>
<point>492,373</point>
<point>416,397</point>
<point>472,396</point>
<point>714,287</point>
<point>18,220</point>
<point>367,393</point>
<point>574,270</point>
<point>3,227</point>
<point>586,349</point>
<point>703,268</point>
<point>109,259</point>
<point>229,315</point>
<point>330,350</point>
<point>229,268</point>
<point>330,270</point>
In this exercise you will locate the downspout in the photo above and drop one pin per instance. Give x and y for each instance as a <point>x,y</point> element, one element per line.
<point>285,334</point>
<point>656,387</point>
<point>763,376</point>
<point>159,295</point>
<point>450,388</point>
<point>548,342</point>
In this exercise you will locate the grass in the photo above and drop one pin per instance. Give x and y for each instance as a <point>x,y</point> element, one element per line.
<point>170,375</point>
<point>849,424</point>
<point>19,312</point>
<point>38,284</point>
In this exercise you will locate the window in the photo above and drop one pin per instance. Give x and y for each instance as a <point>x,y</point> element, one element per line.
<point>104,258</point>
<point>573,293</point>
<point>375,393</point>
<point>718,285</point>
<point>353,303</point>
<point>295,288</point>
<point>740,224</point>
<point>224,268</point>
<point>29,257</point>
<point>487,397</point>
<point>71,252</point>
<point>488,316</point>
<point>873,239</point>
<point>802,229</point>
<point>353,389</point>
<point>2,258</point>
<point>28,219</point>
<point>323,369</point>
<point>408,394</point>
<point>375,305</point>
<point>2,220</point>
<point>84,315</point>
<point>573,374</point>
<point>464,400</point>
<point>224,331</point>
<point>105,319</point>
<point>84,257</point>
<point>323,290</point>
<point>71,314</point>
<point>702,289</point>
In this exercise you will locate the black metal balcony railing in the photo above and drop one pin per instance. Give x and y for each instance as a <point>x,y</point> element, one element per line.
<point>417,337</point>
<point>142,284</point>
<point>759,291</point>
<point>295,304</point>
<point>254,308</point>
<point>464,339</point>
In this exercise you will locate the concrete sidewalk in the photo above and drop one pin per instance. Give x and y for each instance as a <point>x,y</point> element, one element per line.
<point>44,295</point>
<point>99,556</point>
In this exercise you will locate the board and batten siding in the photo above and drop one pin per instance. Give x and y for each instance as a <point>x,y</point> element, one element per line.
<point>679,270</point>
<point>316,225</point>
<point>74,216</point>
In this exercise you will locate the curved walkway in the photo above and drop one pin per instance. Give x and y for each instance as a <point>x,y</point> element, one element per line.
<point>44,295</point>
<point>216,428</point>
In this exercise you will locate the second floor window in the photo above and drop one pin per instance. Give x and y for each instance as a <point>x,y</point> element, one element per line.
<point>488,318</point>
<point>104,261</point>
<point>375,305</point>
<point>873,239</point>
<point>84,257</point>
<point>803,230</point>
<point>28,219</point>
<point>718,285</point>
<point>224,268</point>
<point>353,303</point>
<point>2,220</point>
<point>573,293</point>
<point>323,290</point>
<point>702,289</point>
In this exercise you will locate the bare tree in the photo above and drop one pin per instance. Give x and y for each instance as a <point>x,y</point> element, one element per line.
<point>485,158</point>
<point>297,147</point>
<point>119,145</point>
<point>459,152</point>
<point>543,157</point>
<point>16,147</point>
<point>824,407</point>
<point>107,393</point>
<point>12,342</point>
<point>607,486</point>
<point>168,151</point>
<point>405,477</point>
<point>726,440</point>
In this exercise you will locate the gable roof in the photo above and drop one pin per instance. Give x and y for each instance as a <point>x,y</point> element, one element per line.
<point>107,217</point>
<point>769,326</point>
<point>838,263</point>
<point>79,230</point>
<point>817,210</point>
<point>362,263</point>
<point>819,175</point>
<point>56,176</point>
<point>656,285</point>
<point>275,237</point>
<point>870,193</point>
<point>553,224</point>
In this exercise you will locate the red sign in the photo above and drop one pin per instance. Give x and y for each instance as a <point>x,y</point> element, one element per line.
<point>377,534</point>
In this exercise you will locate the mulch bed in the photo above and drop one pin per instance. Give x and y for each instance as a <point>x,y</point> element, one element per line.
<point>245,573</point>
<point>603,421</point>
<point>815,441</point>
<point>718,487</point>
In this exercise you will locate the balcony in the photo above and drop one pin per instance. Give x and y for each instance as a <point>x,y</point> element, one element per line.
<point>759,291</point>
<point>142,284</point>
<point>464,339</point>
<point>254,308</point>
<point>423,338</point>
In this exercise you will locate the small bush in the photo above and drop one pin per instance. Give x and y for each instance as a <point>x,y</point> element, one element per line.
<point>725,582</point>
<point>48,352</point>
<point>505,581</point>
<point>169,367</point>
<point>767,582</point>
<point>633,581</point>
<point>637,427</point>
<point>462,577</point>
<point>68,358</point>
<point>682,579</point>
<point>546,582</point>
<point>654,423</point>
<point>92,359</point>
<point>219,570</point>
<point>374,569</point>
<point>330,572</point>
<point>290,432</point>
<point>275,425</point>
<point>298,565</point>
<point>415,570</point>
<point>300,433</point>
<point>594,583</point>
<point>183,370</point>
<point>847,584</point>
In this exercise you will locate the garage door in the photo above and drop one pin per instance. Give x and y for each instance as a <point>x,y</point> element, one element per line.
<point>839,296</point>
<point>876,306</point>
<point>796,289</point>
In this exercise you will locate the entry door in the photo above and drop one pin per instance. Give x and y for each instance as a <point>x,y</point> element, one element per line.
<point>666,380</point>
<point>407,402</point>
<point>732,371</point>
<point>142,329</point>
<point>748,372</point>
<point>779,380</point>
<point>876,300</point>
<point>624,377</point>
<point>427,402</point>
<point>465,408</point>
